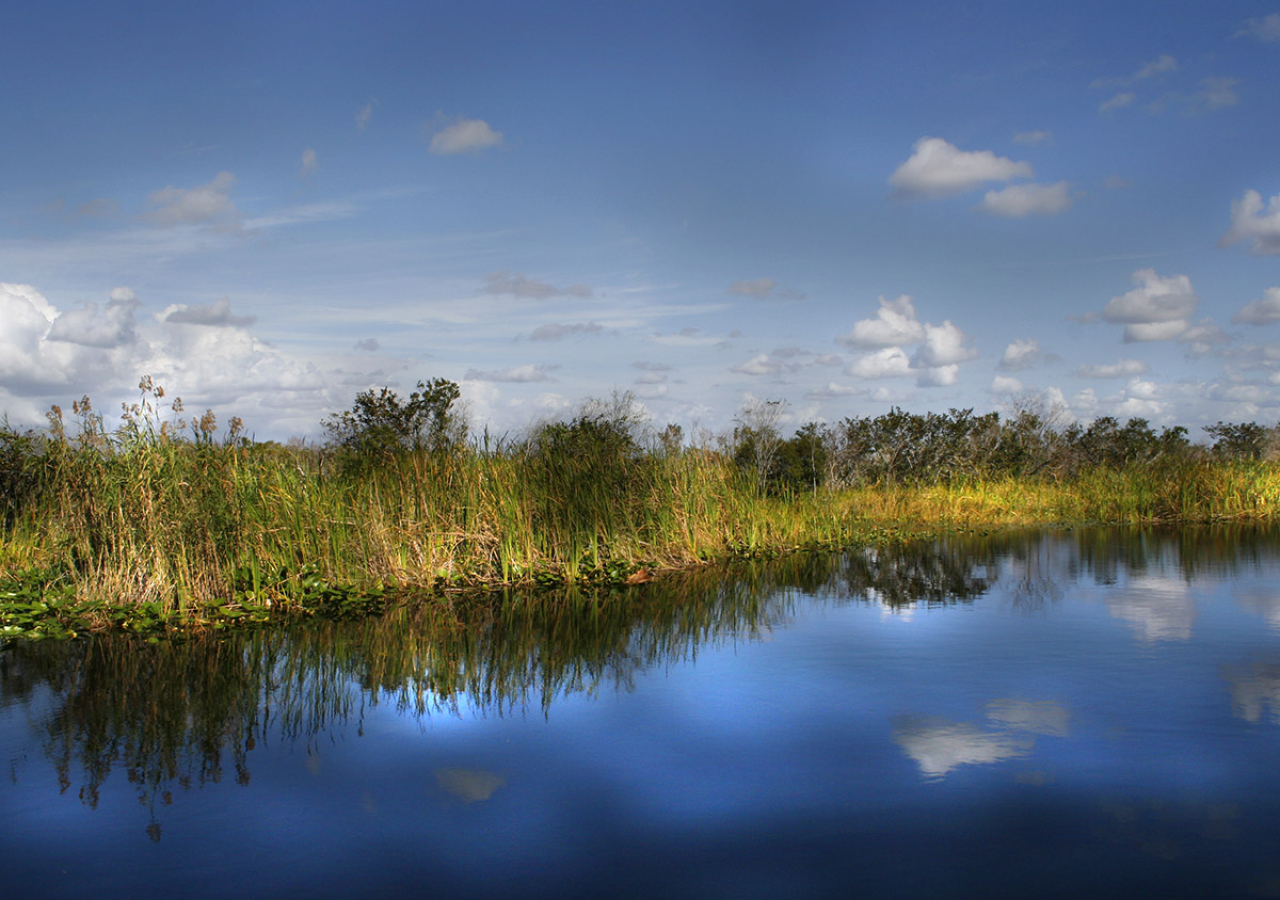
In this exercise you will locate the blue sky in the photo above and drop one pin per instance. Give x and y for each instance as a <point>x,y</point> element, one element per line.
<point>269,207</point>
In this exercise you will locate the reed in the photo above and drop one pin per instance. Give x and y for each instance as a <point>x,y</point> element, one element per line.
<point>143,517</point>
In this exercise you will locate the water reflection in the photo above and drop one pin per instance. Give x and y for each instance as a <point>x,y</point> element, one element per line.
<point>938,746</point>
<point>1159,608</point>
<point>183,714</point>
<point>1254,689</point>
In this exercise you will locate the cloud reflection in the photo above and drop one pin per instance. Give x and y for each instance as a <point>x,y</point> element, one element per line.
<point>1253,689</point>
<point>939,745</point>
<point>1159,609</point>
<point>469,785</point>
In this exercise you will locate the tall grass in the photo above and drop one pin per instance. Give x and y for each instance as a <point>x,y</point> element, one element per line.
<point>143,515</point>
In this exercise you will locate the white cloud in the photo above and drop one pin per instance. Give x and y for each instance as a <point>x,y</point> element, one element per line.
<point>891,362</point>
<point>895,323</point>
<point>1119,101</point>
<point>518,285</point>
<point>937,376</point>
<point>206,204</point>
<point>464,136</point>
<point>1146,332</point>
<point>944,345</point>
<point>1020,354</point>
<point>1250,221</point>
<point>1260,312</point>
<point>1156,310</point>
<point>1020,200</point>
<point>515,374</point>
<point>759,287</point>
<point>761,364</point>
<point>1122,369</point>
<point>102,351</point>
<point>554,331</point>
<point>1005,384</point>
<point>1032,138</point>
<point>937,168</point>
<point>1266,28</point>
<point>310,165</point>
<point>217,314</point>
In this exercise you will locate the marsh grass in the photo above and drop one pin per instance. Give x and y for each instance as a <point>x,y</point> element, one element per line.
<point>211,530</point>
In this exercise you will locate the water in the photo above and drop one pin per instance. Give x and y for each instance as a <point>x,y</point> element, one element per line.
<point>1050,714</point>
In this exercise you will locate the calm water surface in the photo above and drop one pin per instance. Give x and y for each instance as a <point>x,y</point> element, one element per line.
<point>1050,714</point>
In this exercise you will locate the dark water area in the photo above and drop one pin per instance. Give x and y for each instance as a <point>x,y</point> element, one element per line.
<point>1091,713</point>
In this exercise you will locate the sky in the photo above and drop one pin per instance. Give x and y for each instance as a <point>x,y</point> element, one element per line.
<point>269,207</point>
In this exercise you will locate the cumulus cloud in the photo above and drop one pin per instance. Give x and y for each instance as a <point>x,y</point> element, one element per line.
<point>894,323</point>
<point>310,165</point>
<point>1260,312</point>
<point>1251,221</point>
<point>1124,368</point>
<point>937,376</point>
<point>944,345</point>
<point>101,350</point>
<point>518,285</point>
<point>515,374</point>
<point>463,136</point>
<point>1020,354</point>
<point>1119,101</point>
<point>553,331</point>
<point>937,168</point>
<point>216,315</point>
<point>1020,200</point>
<point>1032,138</point>
<point>1266,28</point>
<point>1156,310</point>
<point>111,326</point>
<point>759,287</point>
<point>206,204</point>
<point>935,362</point>
<point>1005,384</point>
<point>891,362</point>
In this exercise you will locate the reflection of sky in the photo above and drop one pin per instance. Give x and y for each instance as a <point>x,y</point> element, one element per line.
<point>1160,608</point>
<point>938,745</point>
<point>1254,688</point>
<point>1261,600</point>
<point>845,729</point>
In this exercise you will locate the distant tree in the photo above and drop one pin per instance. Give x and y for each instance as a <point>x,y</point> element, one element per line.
<point>380,422</point>
<point>1243,440</point>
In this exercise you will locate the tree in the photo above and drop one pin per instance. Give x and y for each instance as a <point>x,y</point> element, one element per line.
<point>380,422</point>
<point>756,440</point>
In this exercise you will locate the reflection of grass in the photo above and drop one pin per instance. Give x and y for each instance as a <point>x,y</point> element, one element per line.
<point>171,529</point>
